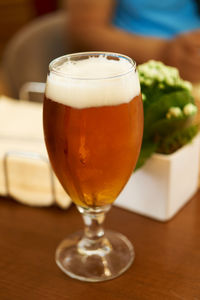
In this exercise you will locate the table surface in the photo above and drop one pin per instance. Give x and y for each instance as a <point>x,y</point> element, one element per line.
<point>167,264</point>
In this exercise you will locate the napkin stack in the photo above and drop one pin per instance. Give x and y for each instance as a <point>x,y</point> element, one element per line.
<point>25,172</point>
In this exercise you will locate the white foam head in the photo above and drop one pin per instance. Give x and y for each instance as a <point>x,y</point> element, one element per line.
<point>93,82</point>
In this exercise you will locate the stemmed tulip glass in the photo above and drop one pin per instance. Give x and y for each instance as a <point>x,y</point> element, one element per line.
<point>93,123</point>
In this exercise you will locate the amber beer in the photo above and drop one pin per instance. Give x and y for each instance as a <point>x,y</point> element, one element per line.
<point>93,149</point>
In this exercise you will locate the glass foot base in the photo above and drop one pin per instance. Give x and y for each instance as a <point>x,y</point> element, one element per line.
<point>114,257</point>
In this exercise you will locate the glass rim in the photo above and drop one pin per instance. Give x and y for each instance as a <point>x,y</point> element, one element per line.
<point>54,69</point>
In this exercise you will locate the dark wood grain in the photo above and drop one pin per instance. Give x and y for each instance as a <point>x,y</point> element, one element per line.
<point>167,264</point>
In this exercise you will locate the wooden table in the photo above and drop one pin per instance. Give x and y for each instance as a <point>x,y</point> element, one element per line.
<point>167,264</point>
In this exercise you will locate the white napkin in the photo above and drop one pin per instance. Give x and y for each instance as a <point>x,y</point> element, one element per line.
<point>25,172</point>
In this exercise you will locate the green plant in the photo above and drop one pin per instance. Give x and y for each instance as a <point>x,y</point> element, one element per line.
<point>169,110</point>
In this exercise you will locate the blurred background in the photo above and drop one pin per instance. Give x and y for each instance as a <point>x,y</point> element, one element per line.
<point>33,32</point>
<point>15,15</point>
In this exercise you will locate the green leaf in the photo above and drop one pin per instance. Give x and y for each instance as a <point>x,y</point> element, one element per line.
<point>177,139</point>
<point>157,110</point>
<point>147,150</point>
<point>154,93</point>
<point>166,126</point>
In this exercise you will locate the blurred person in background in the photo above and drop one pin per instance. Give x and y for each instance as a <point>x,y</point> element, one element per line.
<point>167,31</point>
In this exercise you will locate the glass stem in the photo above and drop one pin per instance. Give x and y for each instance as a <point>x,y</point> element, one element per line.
<point>93,238</point>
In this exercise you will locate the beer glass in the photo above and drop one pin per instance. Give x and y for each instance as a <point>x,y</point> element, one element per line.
<point>93,124</point>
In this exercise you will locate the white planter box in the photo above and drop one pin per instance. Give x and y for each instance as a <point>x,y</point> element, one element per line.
<point>164,184</point>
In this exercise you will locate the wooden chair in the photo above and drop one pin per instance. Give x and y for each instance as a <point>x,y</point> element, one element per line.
<point>27,55</point>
